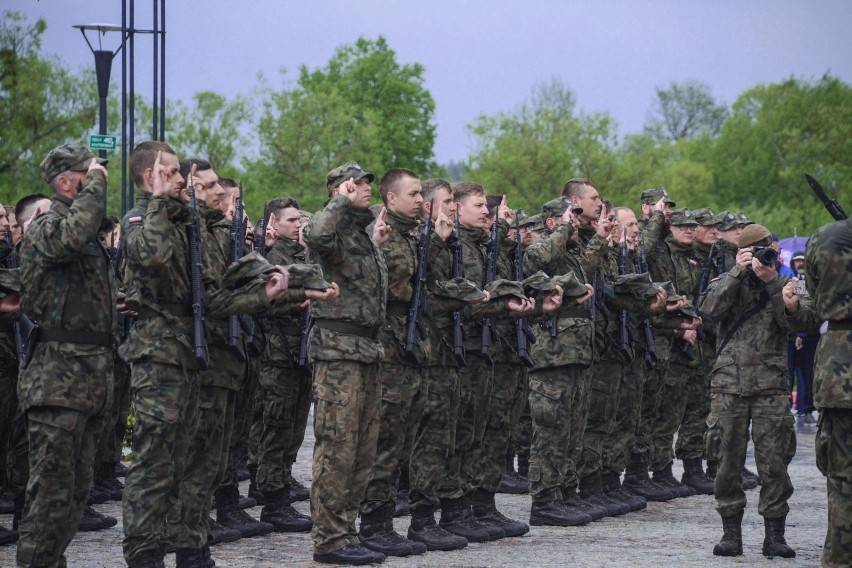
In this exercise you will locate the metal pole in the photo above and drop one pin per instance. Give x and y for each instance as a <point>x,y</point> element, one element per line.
<point>156,115</point>
<point>132,75</point>
<point>163,70</point>
<point>124,152</point>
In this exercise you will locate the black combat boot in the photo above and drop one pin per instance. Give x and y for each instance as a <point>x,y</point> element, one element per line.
<point>218,534</point>
<point>732,537</point>
<point>7,505</point>
<point>611,485</point>
<point>512,482</point>
<point>665,478</point>
<point>694,476</point>
<point>98,495</point>
<point>425,530</point>
<point>774,543</point>
<point>298,492</point>
<point>572,500</point>
<point>281,515</point>
<point>8,536</point>
<point>106,482</point>
<point>121,469</point>
<point>352,555</point>
<point>190,558</point>
<point>455,521</point>
<point>556,514</point>
<point>485,510</point>
<point>208,558</point>
<point>592,492</point>
<point>377,534</point>
<point>524,465</point>
<point>147,560</point>
<point>230,515</point>
<point>94,521</point>
<point>750,479</point>
<point>636,481</point>
<point>254,491</point>
<point>712,468</point>
<point>401,508</point>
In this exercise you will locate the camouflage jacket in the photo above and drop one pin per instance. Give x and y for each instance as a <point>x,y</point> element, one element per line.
<point>752,356</point>
<point>828,263</point>
<point>440,329</point>
<point>556,254</point>
<point>348,256</point>
<point>65,278</point>
<point>284,326</point>
<point>726,258</point>
<point>156,268</point>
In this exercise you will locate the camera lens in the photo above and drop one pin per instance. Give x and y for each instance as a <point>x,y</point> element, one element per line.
<point>766,255</point>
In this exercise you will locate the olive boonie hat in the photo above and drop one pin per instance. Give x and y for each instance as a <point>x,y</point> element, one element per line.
<point>74,157</point>
<point>306,276</point>
<point>501,288</point>
<point>727,221</point>
<point>651,196</point>
<point>752,235</point>
<point>705,217</point>
<point>458,289</point>
<point>681,217</point>
<point>554,208</point>
<point>348,170</point>
<point>245,269</point>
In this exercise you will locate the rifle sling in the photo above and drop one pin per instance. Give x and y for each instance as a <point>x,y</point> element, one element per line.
<point>756,309</point>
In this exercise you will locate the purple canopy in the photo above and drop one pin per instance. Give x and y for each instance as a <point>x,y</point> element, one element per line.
<point>791,245</point>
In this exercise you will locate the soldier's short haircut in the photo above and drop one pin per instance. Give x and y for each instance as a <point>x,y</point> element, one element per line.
<point>465,189</point>
<point>228,183</point>
<point>279,204</point>
<point>577,187</point>
<point>390,181</point>
<point>186,167</point>
<point>144,156</point>
<point>617,210</point>
<point>431,185</point>
<point>25,206</point>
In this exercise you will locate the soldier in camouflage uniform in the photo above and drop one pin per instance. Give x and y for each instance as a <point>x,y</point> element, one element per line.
<point>67,386</point>
<point>750,388</point>
<point>164,370</point>
<point>827,260</point>
<point>346,359</point>
<point>730,227</point>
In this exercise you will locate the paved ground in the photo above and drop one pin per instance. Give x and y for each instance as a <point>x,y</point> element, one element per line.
<point>678,533</point>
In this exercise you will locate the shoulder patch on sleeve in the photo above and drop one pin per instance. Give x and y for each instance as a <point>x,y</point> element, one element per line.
<point>137,219</point>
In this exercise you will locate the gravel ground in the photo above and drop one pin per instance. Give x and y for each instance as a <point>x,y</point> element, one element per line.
<point>678,533</point>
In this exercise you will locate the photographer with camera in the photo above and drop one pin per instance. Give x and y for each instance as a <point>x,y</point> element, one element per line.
<point>750,387</point>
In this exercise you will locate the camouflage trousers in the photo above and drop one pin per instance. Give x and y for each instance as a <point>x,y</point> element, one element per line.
<point>672,406</point>
<point>238,438</point>
<point>621,441</point>
<point>476,380</point>
<point>403,402</point>
<point>62,443</point>
<point>834,460</point>
<point>284,419</point>
<point>522,433</point>
<point>256,428</point>
<point>506,405</point>
<point>774,447</point>
<point>204,466</point>
<point>347,399</point>
<point>112,440</point>
<point>165,398</point>
<point>434,464</point>
<point>8,403</point>
<point>555,400</point>
<point>690,435</point>
<point>603,406</point>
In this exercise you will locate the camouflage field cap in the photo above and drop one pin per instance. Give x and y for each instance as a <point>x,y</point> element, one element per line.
<point>306,276</point>
<point>671,294</point>
<point>727,221</point>
<point>651,196</point>
<point>540,282</point>
<point>527,221</point>
<point>682,217</point>
<point>571,287</point>
<point>245,269</point>
<point>554,208</point>
<point>637,285</point>
<point>74,157</point>
<point>458,289</point>
<point>705,217</point>
<point>501,288</point>
<point>537,223</point>
<point>522,216</point>
<point>752,235</point>
<point>10,281</point>
<point>342,173</point>
<point>687,311</point>
<point>743,219</point>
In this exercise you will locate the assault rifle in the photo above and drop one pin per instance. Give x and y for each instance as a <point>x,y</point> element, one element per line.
<point>832,205</point>
<point>648,329</point>
<point>418,286</point>
<point>704,278</point>
<point>23,326</point>
<point>624,331</point>
<point>490,275</point>
<point>523,336</point>
<point>193,233</point>
<point>238,245</point>
<point>260,232</point>
<point>458,272</point>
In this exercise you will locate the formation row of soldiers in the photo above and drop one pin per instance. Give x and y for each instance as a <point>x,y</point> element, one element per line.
<point>422,337</point>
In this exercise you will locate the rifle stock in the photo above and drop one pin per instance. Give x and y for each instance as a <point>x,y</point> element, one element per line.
<point>199,338</point>
<point>458,272</point>
<point>418,287</point>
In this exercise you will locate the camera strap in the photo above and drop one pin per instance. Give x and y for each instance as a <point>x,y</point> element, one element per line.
<point>757,308</point>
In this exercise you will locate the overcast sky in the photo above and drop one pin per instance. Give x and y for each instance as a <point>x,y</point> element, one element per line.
<point>482,57</point>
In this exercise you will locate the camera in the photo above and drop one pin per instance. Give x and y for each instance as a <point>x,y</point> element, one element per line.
<point>766,255</point>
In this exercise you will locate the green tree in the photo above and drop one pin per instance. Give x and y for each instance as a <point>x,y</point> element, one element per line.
<point>686,110</point>
<point>529,154</point>
<point>363,105</point>
<point>42,105</point>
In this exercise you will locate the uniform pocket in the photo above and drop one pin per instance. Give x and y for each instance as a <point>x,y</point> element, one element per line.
<point>545,404</point>
<point>822,445</point>
<point>713,439</point>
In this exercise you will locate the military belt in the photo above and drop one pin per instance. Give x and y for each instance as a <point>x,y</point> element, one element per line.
<point>347,328</point>
<point>177,310</point>
<point>575,313</point>
<point>397,309</point>
<point>288,330</point>
<point>841,325</point>
<point>72,336</point>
